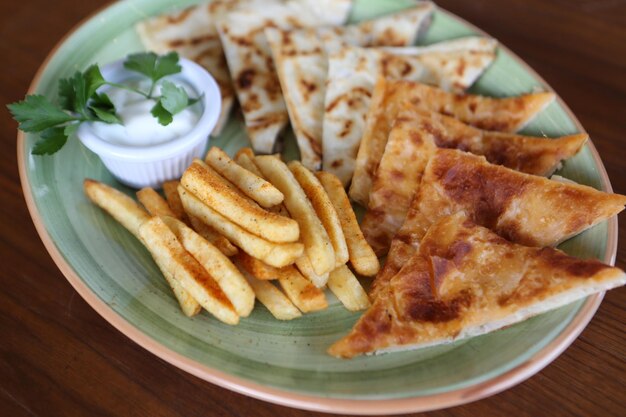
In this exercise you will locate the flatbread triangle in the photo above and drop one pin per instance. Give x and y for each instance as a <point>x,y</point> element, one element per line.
<point>525,209</point>
<point>352,74</point>
<point>466,281</point>
<point>389,97</point>
<point>302,66</point>
<point>249,58</point>
<point>414,137</point>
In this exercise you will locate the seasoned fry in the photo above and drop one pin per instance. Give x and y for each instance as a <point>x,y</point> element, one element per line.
<point>126,211</point>
<point>272,253</point>
<point>245,161</point>
<point>250,184</point>
<point>324,210</point>
<point>306,296</point>
<point>170,189</point>
<point>316,241</point>
<point>170,256</point>
<point>259,269</point>
<point>154,203</point>
<point>245,151</point>
<point>272,298</point>
<point>304,266</point>
<point>362,257</point>
<point>211,191</point>
<point>212,236</point>
<point>120,206</point>
<point>228,277</point>
<point>348,289</point>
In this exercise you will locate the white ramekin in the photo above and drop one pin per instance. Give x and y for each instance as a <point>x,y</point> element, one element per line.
<point>150,166</point>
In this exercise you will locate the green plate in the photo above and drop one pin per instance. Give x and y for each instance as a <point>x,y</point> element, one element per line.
<point>285,362</point>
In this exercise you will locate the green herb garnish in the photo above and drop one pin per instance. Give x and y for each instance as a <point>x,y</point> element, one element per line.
<point>79,102</point>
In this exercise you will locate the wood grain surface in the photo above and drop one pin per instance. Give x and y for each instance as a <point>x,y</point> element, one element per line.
<point>58,357</point>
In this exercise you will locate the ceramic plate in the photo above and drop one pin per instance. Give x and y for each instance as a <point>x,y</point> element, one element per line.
<point>285,362</point>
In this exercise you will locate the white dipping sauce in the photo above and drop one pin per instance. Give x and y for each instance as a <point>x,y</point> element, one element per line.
<point>139,127</point>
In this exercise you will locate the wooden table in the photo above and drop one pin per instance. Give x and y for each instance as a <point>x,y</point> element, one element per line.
<point>59,358</point>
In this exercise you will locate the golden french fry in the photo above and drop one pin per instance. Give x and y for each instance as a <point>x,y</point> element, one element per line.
<point>245,161</point>
<point>228,277</point>
<point>317,244</point>
<point>306,296</point>
<point>154,203</point>
<point>324,209</point>
<point>212,236</point>
<point>120,206</point>
<point>272,298</point>
<point>212,192</point>
<point>170,255</point>
<point>170,189</point>
<point>304,266</point>
<point>246,181</point>
<point>362,256</point>
<point>257,268</point>
<point>126,211</point>
<point>348,289</point>
<point>272,253</point>
<point>245,151</point>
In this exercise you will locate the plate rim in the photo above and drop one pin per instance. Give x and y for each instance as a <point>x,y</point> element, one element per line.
<point>282,397</point>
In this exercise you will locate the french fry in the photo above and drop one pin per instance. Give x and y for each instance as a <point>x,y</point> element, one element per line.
<point>245,151</point>
<point>306,296</point>
<point>259,269</point>
<point>170,189</point>
<point>128,213</point>
<point>272,253</point>
<point>272,298</point>
<point>120,206</point>
<point>246,181</point>
<point>348,289</point>
<point>170,255</point>
<point>212,236</point>
<point>324,209</point>
<point>245,161</point>
<point>316,241</point>
<point>304,266</point>
<point>229,204</point>
<point>154,203</point>
<point>362,256</point>
<point>228,277</point>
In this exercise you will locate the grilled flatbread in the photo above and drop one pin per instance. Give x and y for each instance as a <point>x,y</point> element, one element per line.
<point>466,281</point>
<point>389,98</point>
<point>352,73</point>
<point>250,59</point>
<point>413,139</point>
<point>522,208</point>
<point>192,33</point>
<point>302,66</point>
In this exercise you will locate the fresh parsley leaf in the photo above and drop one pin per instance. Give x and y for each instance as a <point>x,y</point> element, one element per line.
<point>174,99</point>
<point>163,116</point>
<point>66,94</point>
<point>152,65</point>
<point>52,140</point>
<point>103,108</point>
<point>93,80</point>
<point>37,113</point>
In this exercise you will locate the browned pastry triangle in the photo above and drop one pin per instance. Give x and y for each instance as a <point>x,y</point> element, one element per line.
<point>465,281</point>
<point>500,114</point>
<point>523,208</point>
<point>413,139</point>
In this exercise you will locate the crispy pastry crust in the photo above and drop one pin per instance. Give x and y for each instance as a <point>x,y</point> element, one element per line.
<point>464,281</point>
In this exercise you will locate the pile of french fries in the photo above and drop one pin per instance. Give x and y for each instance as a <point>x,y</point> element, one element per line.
<point>232,231</point>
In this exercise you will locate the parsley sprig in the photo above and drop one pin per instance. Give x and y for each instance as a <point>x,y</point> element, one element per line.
<point>80,102</point>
